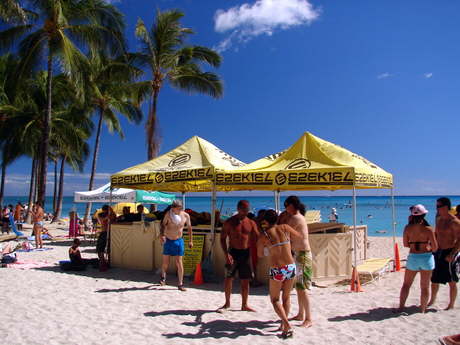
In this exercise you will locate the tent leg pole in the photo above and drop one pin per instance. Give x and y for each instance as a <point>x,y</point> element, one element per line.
<point>276,199</point>
<point>393,216</point>
<point>107,245</point>
<point>355,260</point>
<point>279,201</point>
<point>183,200</point>
<point>213,213</point>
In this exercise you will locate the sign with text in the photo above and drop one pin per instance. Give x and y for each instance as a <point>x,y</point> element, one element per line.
<point>194,255</point>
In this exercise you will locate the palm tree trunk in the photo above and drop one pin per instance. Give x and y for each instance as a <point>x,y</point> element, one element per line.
<point>93,167</point>
<point>57,215</point>
<point>55,186</point>
<point>46,135</point>
<point>31,189</point>
<point>37,178</point>
<point>2,184</point>
<point>152,128</point>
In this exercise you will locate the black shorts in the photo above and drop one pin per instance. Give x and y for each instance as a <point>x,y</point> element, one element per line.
<point>241,264</point>
<point>101,242</point>
<point>444,272</point>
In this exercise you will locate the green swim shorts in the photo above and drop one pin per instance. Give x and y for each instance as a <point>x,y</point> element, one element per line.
<point>304,263</point>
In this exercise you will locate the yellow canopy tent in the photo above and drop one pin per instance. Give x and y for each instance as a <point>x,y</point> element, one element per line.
<point>310,164</point>
<point>190,167</point>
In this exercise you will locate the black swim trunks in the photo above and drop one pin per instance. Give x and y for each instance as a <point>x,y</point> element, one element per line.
<point>444,272</point>
<point>101,242</point>
<point>240,264</point>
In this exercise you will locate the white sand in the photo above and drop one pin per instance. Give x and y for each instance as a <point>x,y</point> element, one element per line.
<point>47,306</point>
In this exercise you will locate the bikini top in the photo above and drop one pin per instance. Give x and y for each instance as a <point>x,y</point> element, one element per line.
<point>417,244</point>
<point>279,243</point>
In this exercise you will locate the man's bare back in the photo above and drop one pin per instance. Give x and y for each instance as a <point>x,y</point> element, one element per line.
<point>298,223</point>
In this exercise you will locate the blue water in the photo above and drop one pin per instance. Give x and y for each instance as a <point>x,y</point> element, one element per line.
<point>374,211</point>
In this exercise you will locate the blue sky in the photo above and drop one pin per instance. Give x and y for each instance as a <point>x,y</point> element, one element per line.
<point>380,78</point>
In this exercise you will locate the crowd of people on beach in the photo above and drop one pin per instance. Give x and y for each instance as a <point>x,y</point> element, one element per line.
<point>283,238</point>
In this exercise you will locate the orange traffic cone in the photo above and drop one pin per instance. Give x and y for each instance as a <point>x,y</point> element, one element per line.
<point>198,279</point>
<point>355,284</point>
<point>397,262</point>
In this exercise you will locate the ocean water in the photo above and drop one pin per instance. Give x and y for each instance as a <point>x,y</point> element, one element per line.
<point>374,211</point>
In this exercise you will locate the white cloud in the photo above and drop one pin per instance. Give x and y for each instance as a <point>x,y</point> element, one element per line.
<point>384,75</point>
<point>262,17</point>
<point>428,75</point>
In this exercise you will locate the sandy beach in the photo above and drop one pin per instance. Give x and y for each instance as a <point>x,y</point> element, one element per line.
<point>45,305</point>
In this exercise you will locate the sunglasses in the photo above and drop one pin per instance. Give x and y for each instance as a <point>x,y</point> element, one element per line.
<point>440,206</point>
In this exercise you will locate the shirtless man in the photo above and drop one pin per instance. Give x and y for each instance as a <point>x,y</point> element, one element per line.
<point>37,219</point>
<point>448,236</point>
<point>303,257</point>
<point>171,231</point>
<point>239,229</point>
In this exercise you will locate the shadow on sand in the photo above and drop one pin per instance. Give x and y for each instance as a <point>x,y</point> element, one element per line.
<point>149,277</point>
<point>215,329</point>
<point>379,314</point>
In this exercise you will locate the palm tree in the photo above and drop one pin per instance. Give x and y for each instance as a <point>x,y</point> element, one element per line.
<point>69,141</point>
<point>10,148</point>
<point>111,91</point>
<point>92,23</point>
<point>170,60</point>
<point>11,11</point>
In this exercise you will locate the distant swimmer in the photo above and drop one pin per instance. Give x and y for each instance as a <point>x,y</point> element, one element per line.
<point>333,216</point>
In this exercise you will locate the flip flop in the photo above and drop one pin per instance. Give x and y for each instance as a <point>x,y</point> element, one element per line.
<point>287,334</point>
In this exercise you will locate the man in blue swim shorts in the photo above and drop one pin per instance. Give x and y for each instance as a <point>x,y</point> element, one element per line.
<point>171,231</point>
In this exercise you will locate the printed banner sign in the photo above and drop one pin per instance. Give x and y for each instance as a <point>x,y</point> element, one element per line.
<point>193,256</point>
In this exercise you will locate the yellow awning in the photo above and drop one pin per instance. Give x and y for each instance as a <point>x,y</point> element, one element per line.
<point>310,164</point>
<point>190,167</point>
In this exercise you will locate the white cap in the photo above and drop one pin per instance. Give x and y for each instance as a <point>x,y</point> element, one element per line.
<point>418,210</point>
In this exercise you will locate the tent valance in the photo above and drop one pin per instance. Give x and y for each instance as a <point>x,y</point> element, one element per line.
<point>310,164</point>
<point>102,195</point>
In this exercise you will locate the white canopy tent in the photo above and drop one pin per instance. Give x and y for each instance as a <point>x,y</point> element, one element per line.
<point>103,195</point>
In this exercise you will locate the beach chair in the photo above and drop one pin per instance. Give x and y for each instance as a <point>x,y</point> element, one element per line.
<point>89,232</point>
<point>375,268</point>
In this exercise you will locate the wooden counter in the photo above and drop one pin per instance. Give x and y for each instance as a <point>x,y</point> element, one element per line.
<point>137,246</point>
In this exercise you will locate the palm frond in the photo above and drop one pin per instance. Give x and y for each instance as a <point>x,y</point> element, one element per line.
<point>112,122</point>
<point>32,50</point>
<point>190,79</point>
<point>12,35</point>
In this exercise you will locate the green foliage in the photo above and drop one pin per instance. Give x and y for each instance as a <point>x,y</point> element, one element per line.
<point>164,52</point>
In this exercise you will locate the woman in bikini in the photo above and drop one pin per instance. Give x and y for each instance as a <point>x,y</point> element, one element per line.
<point>275,242</point>
<point>419,237</point>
